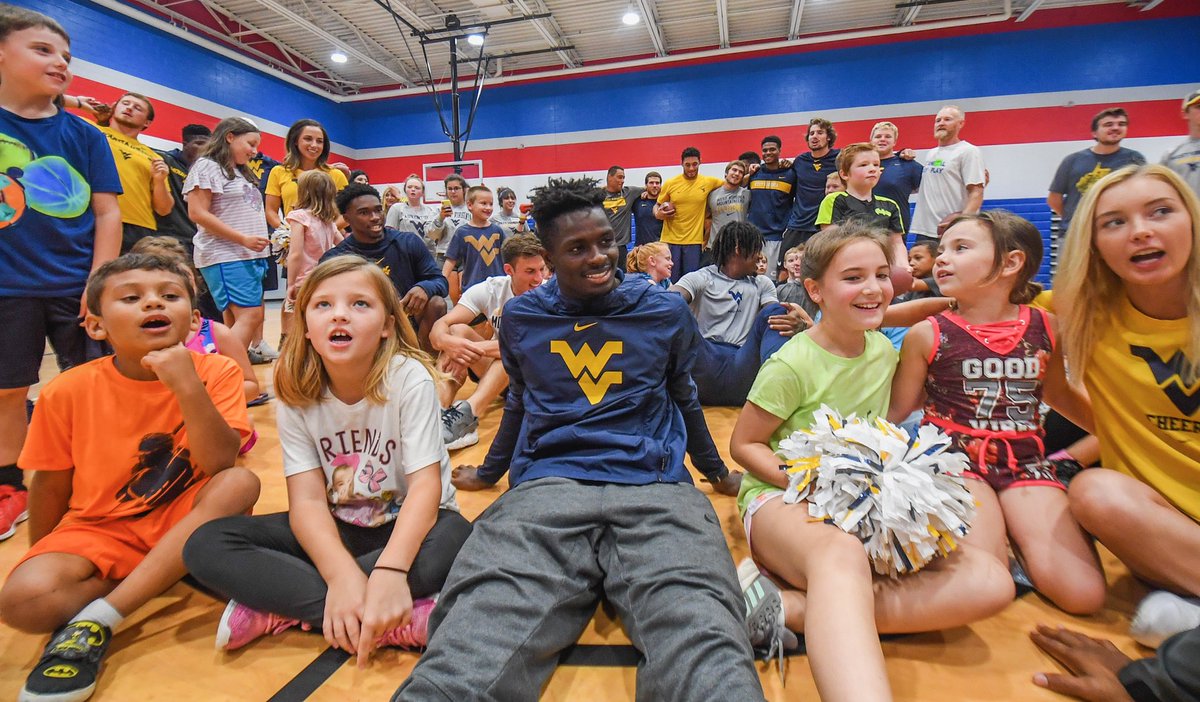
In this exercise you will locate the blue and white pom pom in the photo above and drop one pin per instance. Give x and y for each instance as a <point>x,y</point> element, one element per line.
<point>905,499</point>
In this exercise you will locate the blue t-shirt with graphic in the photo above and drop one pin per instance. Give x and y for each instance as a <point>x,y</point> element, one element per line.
<point>49,168</point>
<point>477,251</point>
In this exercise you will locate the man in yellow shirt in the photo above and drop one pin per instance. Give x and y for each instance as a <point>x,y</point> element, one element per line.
<point>143,172</point>
<point>682,204</point>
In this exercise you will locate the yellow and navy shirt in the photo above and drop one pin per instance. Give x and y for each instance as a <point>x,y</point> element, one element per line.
<point>1145,395</point>
<point>771,196</point>
<point>879,211</point>
<point>592,396</point>
<point>134,160</point>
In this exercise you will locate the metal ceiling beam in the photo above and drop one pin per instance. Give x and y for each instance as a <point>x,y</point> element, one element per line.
<point>286,65</point>
<point>308,25</point>
<point>1029,10</point>
<point>723,22</point>
<point>797,16</point>
<point>651,19</point>
<point>549,30</point>
<point>908,17</point>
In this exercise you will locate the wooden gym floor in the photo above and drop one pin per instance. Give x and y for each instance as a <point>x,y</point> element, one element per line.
<point>165,650</point>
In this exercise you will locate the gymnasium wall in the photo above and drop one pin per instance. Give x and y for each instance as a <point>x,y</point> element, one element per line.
<point>1029,91</point>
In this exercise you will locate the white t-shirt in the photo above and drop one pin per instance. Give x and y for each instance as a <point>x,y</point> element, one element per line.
<point>725,308</point>
<point>488,298</point>
<point>237,203</point>
<point>365,449</point>
<point>948,172</point>
<point>406,218</point>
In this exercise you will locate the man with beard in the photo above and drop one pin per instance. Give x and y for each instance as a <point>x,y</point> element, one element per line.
<point>953,178</point>
<point>772,191</point>
<point>812,169</point>
<point>682,206</point>
<point>1078,171</point>
<point>646,227</point>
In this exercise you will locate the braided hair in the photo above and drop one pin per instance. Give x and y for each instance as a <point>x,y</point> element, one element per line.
<point>736,238</point>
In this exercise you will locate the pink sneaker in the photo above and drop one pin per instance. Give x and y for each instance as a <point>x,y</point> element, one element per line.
<point>414,634</point>
<point>12,510</point>
<point>240,625</point>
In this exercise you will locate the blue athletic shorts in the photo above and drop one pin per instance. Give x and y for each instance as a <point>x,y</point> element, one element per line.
<point>236,283</point>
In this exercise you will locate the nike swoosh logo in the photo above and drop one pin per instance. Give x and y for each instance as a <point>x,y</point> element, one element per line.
<point>581,327</point>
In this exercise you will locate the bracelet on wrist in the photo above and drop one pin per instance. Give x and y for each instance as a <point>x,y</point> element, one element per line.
<point>391,568</point>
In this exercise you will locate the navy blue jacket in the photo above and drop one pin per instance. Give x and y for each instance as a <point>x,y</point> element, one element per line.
<point>403,256</point>
<point>601,390</point>
<point>811,175</point>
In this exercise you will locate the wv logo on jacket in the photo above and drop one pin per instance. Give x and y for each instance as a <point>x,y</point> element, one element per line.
<point>588,367</point>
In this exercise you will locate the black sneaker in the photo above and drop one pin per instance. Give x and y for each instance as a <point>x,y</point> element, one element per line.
<point>70,664</point>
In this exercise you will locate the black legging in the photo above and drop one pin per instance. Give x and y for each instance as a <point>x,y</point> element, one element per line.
<point>258,561</point>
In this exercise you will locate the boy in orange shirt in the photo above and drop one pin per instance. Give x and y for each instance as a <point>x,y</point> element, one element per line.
<point>130,453</point>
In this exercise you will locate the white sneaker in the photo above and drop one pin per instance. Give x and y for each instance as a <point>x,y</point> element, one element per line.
<point>1161,615</point>
<point>266,351</point>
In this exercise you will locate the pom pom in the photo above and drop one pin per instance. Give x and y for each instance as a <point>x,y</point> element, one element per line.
<point>904,498</point>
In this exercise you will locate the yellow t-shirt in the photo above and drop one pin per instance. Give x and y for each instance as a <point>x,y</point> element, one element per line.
<point>282,184</point>
<point>1148,414</point>
<point>133,159</point>
<point>690,198</point>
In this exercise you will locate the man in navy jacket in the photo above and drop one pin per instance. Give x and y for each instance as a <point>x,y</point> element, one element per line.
<point>402,255</point>
<point>600,411</point>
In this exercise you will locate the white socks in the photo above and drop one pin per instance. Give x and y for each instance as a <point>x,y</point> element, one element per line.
<point>102,612</point>
<point>1161,615</point>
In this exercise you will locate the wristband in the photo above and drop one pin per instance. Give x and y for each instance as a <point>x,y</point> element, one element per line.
<point>391,568</point>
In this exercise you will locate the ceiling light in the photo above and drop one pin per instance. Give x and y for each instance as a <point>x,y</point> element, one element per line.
<point>338,57</point>
<point>631,18</point>
<point>475,39</point>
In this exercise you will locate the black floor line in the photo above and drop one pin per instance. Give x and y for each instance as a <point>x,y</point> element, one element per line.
<point>313,676</point>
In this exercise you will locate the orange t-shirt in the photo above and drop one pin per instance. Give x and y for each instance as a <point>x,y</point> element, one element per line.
<point>124,438</point>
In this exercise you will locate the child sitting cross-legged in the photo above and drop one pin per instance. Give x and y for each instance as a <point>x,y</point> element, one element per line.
<point>372,525</point>
<point>130,453</point>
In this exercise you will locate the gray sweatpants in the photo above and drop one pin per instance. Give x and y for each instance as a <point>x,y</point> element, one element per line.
<point>528,579</point>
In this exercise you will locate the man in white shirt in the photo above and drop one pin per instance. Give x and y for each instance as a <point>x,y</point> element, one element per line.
<point>954,176</point>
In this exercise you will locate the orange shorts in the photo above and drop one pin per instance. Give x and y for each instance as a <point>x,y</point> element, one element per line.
<point>115,546</point>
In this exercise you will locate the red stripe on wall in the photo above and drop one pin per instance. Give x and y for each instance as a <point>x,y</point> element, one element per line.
<point>170,119</point>
<point>1019,126</point>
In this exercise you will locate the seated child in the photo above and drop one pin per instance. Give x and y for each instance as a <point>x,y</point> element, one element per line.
<point>792,287</point>
<point>402,256</point>
<point>739,316</point>
<point>210,337</point>
<point>476,349</point>
<point>920,260</point>
<point>130,454</point>
<point>652,262</point>
<point>830,591</point>
<point>475,247</point>
<point>372,525</point>
<point>981,372</point>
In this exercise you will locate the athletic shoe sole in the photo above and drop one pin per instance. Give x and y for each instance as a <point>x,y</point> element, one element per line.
<point>469,439</point>
<point>223,631</point>
<point>22,517</point>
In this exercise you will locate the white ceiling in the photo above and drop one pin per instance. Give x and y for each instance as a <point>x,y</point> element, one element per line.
<point>384,53</point>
